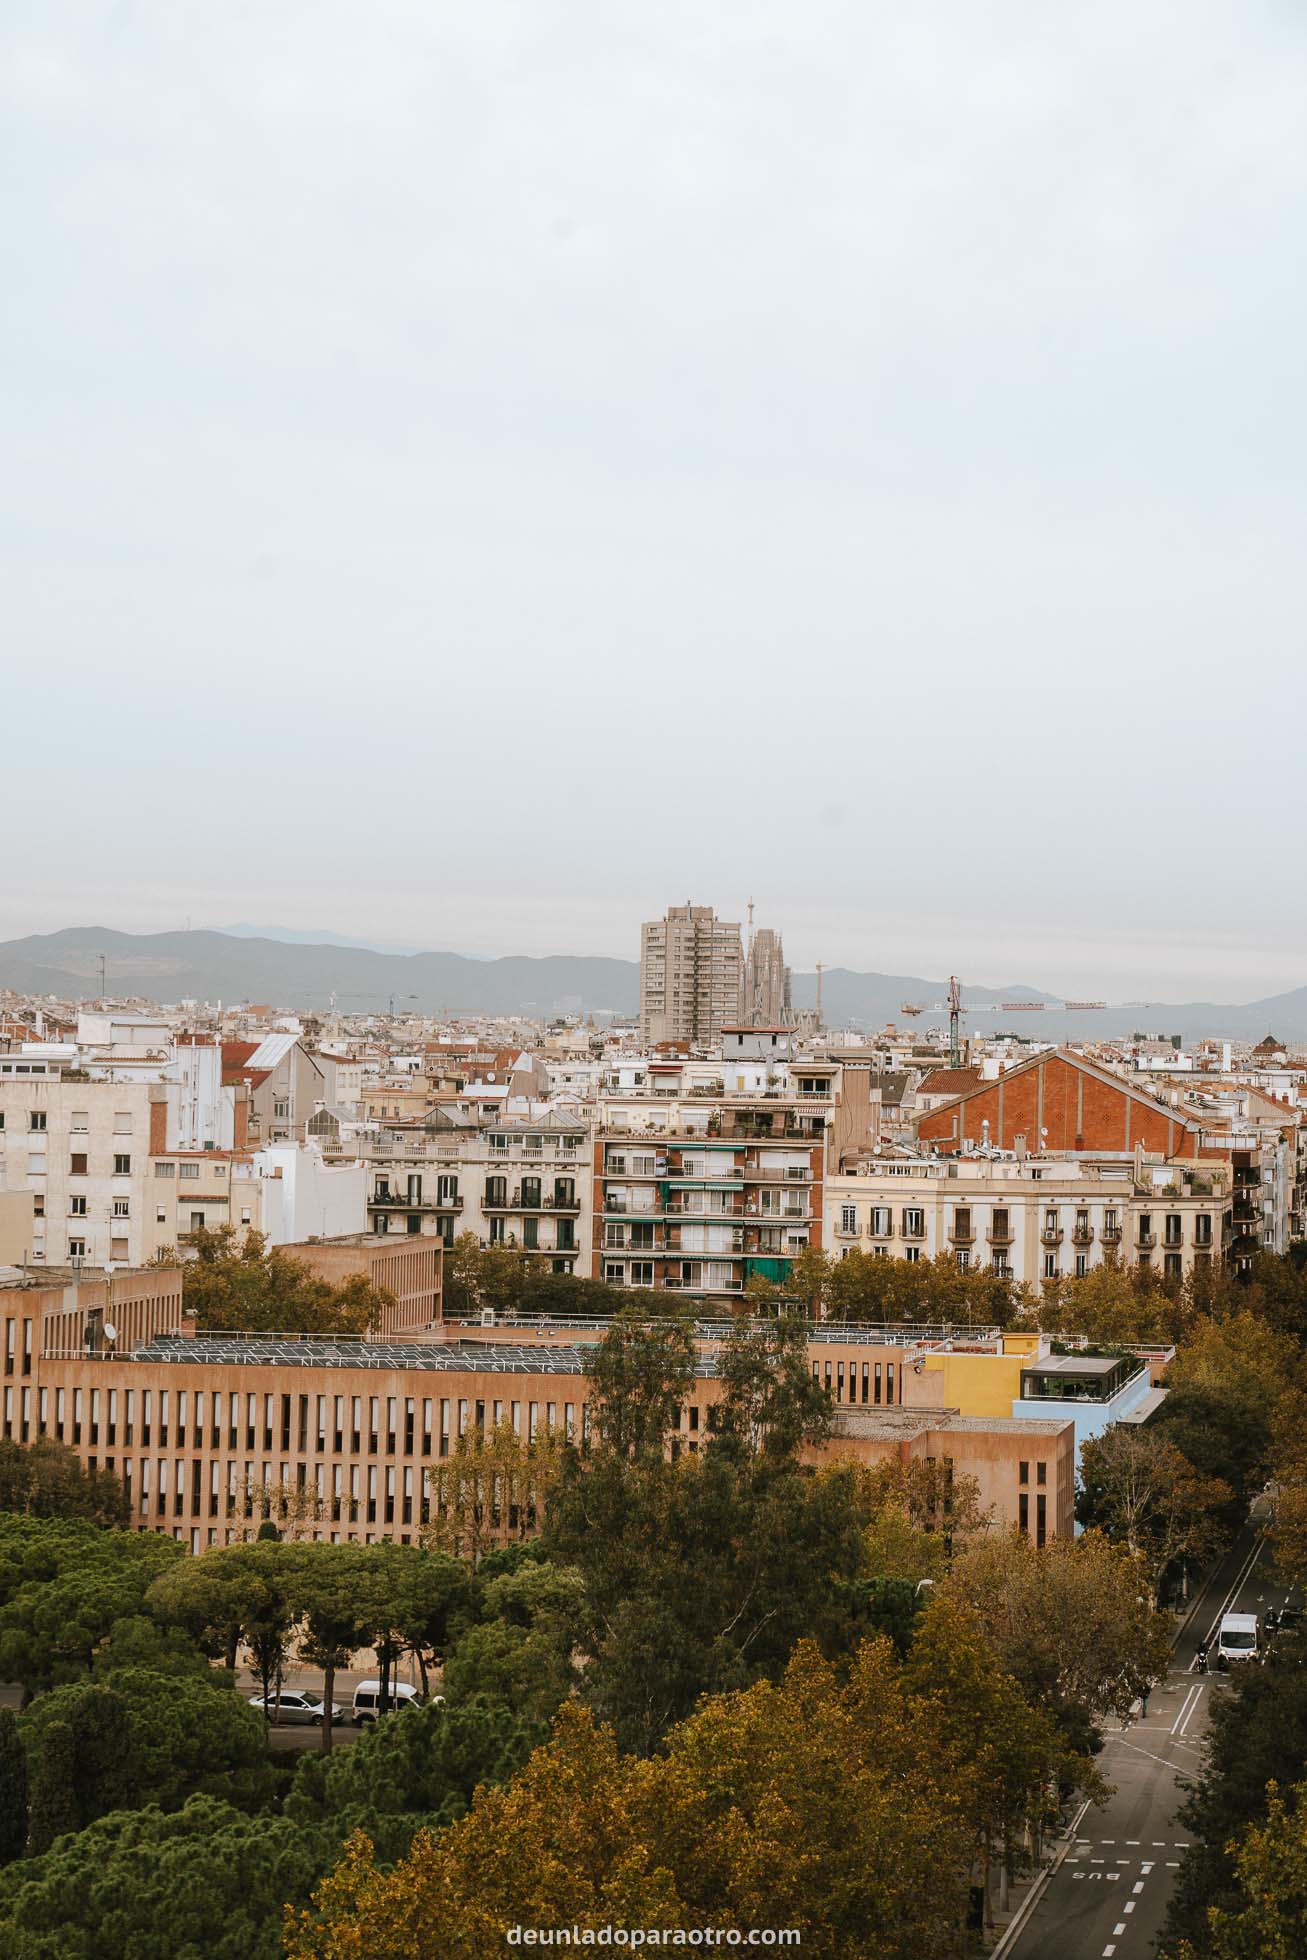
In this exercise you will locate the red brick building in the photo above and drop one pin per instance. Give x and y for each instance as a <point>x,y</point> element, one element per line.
<point>1059,1101</point>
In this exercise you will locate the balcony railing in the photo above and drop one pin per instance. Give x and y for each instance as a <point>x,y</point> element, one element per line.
<point>1000,1235</point>
<point>1083,1235</point>
<point>1146,1241</point>
<point>1111,1235</point>
<point>1050,1236</point>
<point>962,1234</point>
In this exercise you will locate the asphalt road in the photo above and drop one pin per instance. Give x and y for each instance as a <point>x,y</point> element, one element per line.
<point>1107,1897</point>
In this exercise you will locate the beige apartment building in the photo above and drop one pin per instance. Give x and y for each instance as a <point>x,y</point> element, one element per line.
<point>82,1150</point>
<point>691,975</point>
<point>1032,1219</point>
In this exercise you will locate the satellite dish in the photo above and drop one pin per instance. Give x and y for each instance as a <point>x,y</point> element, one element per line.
<point>110,1331</point>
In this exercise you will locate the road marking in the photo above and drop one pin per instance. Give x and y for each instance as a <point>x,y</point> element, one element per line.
<point>1119,1928</point>
<point>1180,1845</point>
<point>1098,1861</point>
<point>1183,1712</point>
<point>1129,1906</point>
<point>1139,1885</point>
<point>1108,1951</point>
<point>1159,1844</point>
<point>1173,1864</point>
<point>1107,1840</point>
<point>1132,1840</point>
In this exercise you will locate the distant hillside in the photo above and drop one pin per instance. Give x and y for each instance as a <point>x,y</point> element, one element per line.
<point>298,976</point>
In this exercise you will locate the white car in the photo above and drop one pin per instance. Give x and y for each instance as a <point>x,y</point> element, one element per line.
<point>294,1705</point>
<point>367,1700</point>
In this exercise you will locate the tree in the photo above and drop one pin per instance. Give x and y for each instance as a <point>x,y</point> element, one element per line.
<point>641,1374</point>
<point>1256,1739</point>
<point>333,1591</point>
<point>1012,1753</point>
<point>492,1487</point>
<point>212,1597</point>
<point>55,1809</point>
<point>804,1288</point>
<point>824,1802</point>
<point>13,1789</point>
<point>1138,1489</point>
<point>1071,1621</point>
<point>45,1479</point>
<point>63,1584</point>
<point>144,1736</point>
<point>862,1287</point>
<point>1267,1916</point>
<point>150,1885</point>
<point>1113,1303</point>
<point>479,1276</point>
<point>772,1404</point>
<point>700,1575</point>
<point>929,1498</point>
<point>420,1770</point>
<point>250,1289</point>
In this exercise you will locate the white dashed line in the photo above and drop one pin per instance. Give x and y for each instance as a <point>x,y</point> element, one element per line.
<point>1132,1840</point>
<point>1129,1906</point>
<point>1119,1928</point>
<point>1108,1951</point>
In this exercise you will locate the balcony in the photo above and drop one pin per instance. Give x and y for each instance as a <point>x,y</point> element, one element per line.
<point>1083,1235</point>
<point>1000,1235</point>
<point>1051,1236</point>
<point>555,1203</point>
<point>1146,1241</point>
<point>962,1234</point>
<point>1111,1235</point>
<point>914,1231</point>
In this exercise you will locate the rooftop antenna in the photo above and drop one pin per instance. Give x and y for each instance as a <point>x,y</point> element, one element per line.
<point>751,925</point>
<point>954,1021</point>
<point>103,994</point>
<point>821,968</point>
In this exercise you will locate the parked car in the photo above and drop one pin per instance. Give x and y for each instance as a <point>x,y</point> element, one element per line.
<point>367,1700</point>
<point>294,1705</point>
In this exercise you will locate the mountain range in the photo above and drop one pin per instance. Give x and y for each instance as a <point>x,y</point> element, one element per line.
<point>300,975</point>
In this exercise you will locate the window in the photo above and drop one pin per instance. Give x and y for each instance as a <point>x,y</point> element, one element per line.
<point>1082,1265</point>
<point>1023,1512</point>
<point>999,1229</point>
<point>165,1170</point>
<point>77,1164</point>
<point>914,1222</point>
<point>36,1120</point>
<point>122,1164</point>
<point>122,1208</point>
<point>122,1123</point>
<point>1173,1264</point>
<point>189,1170</point>
<point>1050,1265</point>
<point>77,1248</point>
<point>1174,1228</point>
<point>1023,1472</point>
<point>1203,1230</point>
<point>615,1274</point>
<point>530,1233</point>
<point>962,1221</point>
<point>80,1120</point>
<point>281,1110</point>
<point>882,1222</point>
<point>963,1258</point>
<point>912,1254</point>
<point>848,1218</point>
<point>1041,1519</point>
<point>642,1272</point>
<point>1041,1473</point>
<point>77,1207</point>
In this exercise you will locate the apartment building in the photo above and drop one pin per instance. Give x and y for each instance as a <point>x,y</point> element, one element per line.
<point>701,1210</point>
<point>691,975</point>
<point>521,1181</point>
<point>82,1149</point>
<point>1033,1219</point>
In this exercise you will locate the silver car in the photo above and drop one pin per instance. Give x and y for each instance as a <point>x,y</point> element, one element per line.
<point>294,1705</point>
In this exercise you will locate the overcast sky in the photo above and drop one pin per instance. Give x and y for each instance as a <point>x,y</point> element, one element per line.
<point>476,474</point>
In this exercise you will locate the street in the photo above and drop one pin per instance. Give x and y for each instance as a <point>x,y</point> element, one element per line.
<point>1107,1894</point>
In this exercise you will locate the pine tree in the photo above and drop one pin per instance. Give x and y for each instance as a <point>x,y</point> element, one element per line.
<point>13,1788</point>
<point>54,1793</point>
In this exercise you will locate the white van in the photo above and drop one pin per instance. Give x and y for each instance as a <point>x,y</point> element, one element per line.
<point>1239,1639</point>
<point>367,1700</point>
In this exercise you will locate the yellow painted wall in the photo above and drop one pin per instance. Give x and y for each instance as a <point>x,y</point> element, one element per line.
<point>979,1384</point>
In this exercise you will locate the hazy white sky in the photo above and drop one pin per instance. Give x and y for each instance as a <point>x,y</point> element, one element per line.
<point>477,474</point>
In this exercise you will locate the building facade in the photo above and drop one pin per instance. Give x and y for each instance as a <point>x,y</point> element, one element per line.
<point>691,974</point>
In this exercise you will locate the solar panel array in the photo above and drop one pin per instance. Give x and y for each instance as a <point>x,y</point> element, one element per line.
<point>398,1357</point>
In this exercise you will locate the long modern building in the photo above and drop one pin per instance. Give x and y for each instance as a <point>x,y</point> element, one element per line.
<point>212,1433</point>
